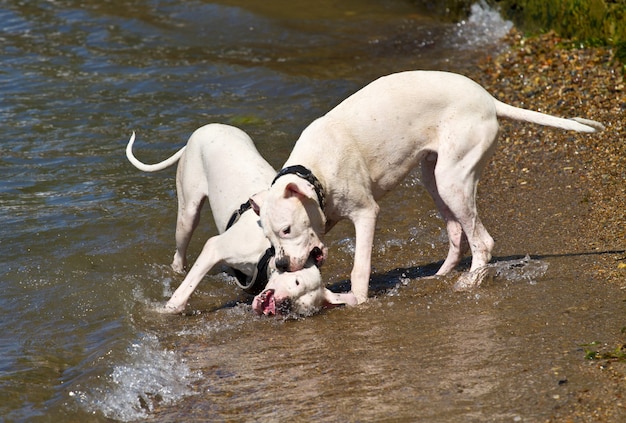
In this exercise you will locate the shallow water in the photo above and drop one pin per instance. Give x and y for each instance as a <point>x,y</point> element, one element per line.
<point>88,239</point>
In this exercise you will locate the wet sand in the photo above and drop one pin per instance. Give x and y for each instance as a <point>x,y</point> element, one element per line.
<point>567,188</point>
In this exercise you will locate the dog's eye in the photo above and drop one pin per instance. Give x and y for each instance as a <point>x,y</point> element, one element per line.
<point>297,282</point>
<point>287,230</point>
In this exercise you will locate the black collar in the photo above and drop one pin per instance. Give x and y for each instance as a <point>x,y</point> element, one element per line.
<point>255,283</point>
<point>308,176</point>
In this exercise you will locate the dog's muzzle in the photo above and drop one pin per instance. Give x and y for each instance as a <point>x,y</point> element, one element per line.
<point>284,307</point>
<point>282,263</point>
<point>267,304</point>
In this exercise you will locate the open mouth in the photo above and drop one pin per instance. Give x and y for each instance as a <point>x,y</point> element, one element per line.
<point>265,303</point>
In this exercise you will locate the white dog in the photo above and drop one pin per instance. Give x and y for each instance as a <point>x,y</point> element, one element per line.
<point>346,160</point>
<point>299,293</point>
<point>220,163</point>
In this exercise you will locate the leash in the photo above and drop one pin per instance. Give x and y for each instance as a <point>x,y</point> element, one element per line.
<point>308,176</point>
<point>256,283</point>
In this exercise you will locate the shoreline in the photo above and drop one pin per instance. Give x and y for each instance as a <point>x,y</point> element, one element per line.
<point>560,193</point>
<point>538,73</point>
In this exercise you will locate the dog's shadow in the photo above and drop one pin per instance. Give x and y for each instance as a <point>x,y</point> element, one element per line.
<point>384,282</point>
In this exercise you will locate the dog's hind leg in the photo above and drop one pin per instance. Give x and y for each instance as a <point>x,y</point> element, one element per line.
<point>457,240</point>
<point>190,203</point>
<point>457,181</point>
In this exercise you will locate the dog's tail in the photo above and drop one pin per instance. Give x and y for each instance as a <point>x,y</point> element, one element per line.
<point>148,167</point>
<point>573,124</point>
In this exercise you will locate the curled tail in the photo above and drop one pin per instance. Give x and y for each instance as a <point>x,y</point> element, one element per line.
<point>574,124</point>
<point>148,167</point>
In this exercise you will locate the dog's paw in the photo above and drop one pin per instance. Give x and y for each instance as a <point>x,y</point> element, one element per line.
<point>470,280</point>
<point>169,309</point>
<point>178,268</point>
<point>357,298</point>
<point>179,264</point>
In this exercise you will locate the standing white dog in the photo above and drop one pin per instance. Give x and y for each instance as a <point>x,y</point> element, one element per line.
<point>220,163</point>
<point>346,160</point>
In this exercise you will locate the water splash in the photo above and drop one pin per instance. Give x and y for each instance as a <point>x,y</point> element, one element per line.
<point>483,27</point>
<point>523,270</point>
<point>151,376</point>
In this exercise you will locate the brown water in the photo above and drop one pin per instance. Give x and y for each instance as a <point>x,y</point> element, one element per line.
<point>87,239</point>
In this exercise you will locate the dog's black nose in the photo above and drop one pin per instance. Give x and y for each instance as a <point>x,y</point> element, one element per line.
<point>284,307</point>
<point>282,263</point>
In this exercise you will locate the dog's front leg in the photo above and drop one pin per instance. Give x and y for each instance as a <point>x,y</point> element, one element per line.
<point>207,259</point>
<point>364,225</point>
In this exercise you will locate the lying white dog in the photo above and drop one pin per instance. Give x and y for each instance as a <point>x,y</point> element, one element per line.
<point>220,163</point>
<point>299,293</point>
<point>346,160</point>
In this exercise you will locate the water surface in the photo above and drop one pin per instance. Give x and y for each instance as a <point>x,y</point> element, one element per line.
<point>87,239</point>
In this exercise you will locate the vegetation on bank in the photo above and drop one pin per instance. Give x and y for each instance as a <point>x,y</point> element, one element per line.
<point>595,22</point>
<point>592,22</point>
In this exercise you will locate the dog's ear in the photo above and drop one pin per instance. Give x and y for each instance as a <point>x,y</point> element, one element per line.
<point>256,201</point>
<point>332,299</point>
<point>301,189</point>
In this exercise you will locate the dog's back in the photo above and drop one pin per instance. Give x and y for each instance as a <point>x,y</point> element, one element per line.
<point>232,168</point>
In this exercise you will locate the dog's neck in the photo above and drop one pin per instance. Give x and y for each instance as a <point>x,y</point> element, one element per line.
<point>307,175</point>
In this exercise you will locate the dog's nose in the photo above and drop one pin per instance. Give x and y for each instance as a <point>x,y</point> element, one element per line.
<point>282,263</point>
<point>284,307</point>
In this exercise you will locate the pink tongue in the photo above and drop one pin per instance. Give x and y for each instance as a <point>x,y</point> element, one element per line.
<point>269,304</point>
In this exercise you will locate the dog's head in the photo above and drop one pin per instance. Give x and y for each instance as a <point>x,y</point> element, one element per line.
<point>298,293</point>
<point>293,221</point>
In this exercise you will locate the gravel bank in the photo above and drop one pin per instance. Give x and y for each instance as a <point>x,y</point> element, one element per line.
<point>562,193</point>
<point>542,74</point>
